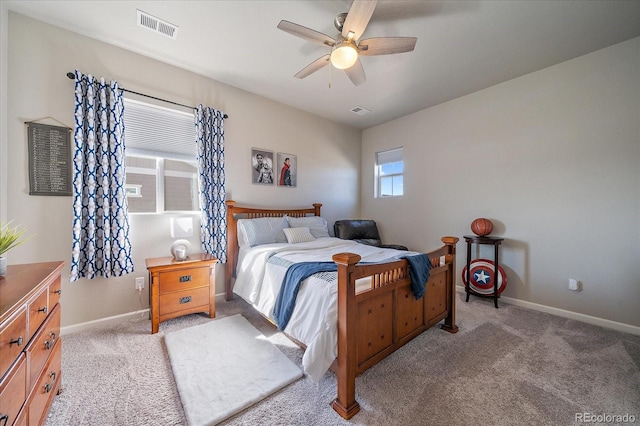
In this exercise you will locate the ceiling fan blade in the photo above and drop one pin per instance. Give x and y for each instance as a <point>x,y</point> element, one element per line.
<point>306,33</point>
<point>356,73</point>
<point>358,18</point>
<point>313,66</point>
<point>386,45</point>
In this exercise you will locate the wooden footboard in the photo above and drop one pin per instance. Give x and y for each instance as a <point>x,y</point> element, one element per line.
<point>377,321</point>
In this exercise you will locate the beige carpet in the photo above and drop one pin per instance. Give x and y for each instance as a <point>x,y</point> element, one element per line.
<point>507,366</point>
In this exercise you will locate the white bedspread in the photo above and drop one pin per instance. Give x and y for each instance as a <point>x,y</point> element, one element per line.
<point>314,319</point>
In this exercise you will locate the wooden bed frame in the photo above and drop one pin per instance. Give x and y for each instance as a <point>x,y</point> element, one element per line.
<point>374,323</point>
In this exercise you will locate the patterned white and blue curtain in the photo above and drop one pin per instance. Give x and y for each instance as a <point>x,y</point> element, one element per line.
<point>211,180</point>
<point>101,244</point>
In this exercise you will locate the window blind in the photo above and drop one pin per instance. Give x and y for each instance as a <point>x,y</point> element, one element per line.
<point>159,132</point>
<point>391,156</point>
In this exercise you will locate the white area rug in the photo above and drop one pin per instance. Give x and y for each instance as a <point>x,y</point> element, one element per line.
<point>223,367</point>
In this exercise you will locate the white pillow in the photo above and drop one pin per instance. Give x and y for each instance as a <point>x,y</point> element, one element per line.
<point>263,230</point>
<point>277,226</point>
<point>298,235</point>
<point>317,225</point>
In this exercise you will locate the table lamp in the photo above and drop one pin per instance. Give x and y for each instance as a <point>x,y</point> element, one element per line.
<point>181,227</point>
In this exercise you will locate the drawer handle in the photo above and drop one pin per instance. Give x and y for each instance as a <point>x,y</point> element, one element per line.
<point>58,291</point>
<point>185,300</point>
<point>4,419</point>
<point>18,341</point>
<point>185,278</point>
<point>48,344</point>
<point>43,310</point>
<point>49,386</point>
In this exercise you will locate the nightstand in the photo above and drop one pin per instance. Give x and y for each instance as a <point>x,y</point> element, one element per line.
<point>181,287</point>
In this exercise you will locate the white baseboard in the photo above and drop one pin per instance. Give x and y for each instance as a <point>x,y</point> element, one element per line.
<point>535,306</point>
<point>619,326</point>
<point>104,322</point>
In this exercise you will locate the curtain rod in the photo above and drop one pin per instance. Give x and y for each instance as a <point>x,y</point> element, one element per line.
<point>72,76</point>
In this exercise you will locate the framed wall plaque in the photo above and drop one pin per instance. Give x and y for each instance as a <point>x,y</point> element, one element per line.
<point>49,159</point>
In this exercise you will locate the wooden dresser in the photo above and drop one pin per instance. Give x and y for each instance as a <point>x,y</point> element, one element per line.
<point>181,287</point>
<point>30,346</point>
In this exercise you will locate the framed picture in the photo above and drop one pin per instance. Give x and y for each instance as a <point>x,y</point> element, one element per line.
<point>262,167</point>
<point>287,170</point>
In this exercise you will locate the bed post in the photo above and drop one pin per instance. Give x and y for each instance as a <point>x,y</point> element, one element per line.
<point>232,251</point>
<point>316,208</point>
<point>345,404</point>
<point>450,258</point>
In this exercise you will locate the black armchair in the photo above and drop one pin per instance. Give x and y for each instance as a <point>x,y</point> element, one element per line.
<point>362,231</point>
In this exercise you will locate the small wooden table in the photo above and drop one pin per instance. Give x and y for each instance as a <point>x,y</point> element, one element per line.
<point>181,287</point>
<point>475,239</point>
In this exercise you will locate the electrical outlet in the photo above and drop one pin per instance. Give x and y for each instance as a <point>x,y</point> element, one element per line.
<point>139,283</point>
<point>573,284</point>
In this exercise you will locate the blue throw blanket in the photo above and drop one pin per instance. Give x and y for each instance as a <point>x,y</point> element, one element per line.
<point>419,270</point>
<point>419,266</point>
<point>286,299</point>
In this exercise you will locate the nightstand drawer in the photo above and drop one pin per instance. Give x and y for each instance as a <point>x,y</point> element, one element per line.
<point>184,279</point>
<point>184,300</point>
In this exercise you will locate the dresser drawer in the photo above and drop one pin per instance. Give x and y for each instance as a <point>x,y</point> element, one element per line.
<point>42,344</point>
<point>13,391</point>
<point>13,339</point>
<point>47,386</point>
<point>22,418</point>
<point>184,300</point>
<point>184,279</point>
<point>29,317</point>
<point>38,310</point>
<point>55,290</point>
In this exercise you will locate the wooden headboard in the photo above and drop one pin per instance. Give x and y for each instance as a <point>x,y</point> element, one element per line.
<point>236,212</point>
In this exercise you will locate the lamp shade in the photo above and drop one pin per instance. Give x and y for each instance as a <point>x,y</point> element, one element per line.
<point>182,227</point>
<point>344,55</point>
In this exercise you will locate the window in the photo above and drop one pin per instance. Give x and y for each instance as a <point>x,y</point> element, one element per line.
<point>175,191</point>
<point>141,184</point>
<point>390,173</point>
<point>162,173</point>
<point>180,185</point>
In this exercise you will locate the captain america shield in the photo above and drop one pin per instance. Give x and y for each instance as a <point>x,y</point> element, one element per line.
<point>481,276</point>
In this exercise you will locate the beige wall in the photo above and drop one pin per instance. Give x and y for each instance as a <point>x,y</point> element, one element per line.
<point>39,56</point>
<point>553,158</point>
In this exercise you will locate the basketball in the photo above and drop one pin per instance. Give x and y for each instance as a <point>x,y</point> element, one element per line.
<point>481,227</point>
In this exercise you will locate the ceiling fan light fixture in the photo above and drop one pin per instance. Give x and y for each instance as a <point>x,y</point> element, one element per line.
<point>344,55</point>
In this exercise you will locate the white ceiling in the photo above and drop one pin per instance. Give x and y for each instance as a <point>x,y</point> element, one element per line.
<point>463,46</point>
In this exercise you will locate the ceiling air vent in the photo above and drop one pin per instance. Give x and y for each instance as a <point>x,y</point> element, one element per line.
<point>360,111</point>
<point>158,25</point>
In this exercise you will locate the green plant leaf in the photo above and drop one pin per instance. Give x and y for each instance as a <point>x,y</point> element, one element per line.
<point>10,237</point>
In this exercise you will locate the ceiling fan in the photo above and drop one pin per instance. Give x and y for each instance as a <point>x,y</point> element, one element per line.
<point>348,47</point>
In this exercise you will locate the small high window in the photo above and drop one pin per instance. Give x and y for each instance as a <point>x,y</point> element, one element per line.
<point>390,173</point>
